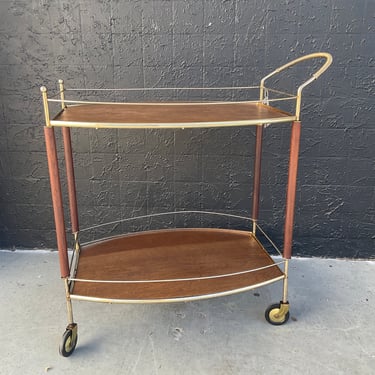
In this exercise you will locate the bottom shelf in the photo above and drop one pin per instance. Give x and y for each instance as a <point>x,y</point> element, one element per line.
<point>172,265</point>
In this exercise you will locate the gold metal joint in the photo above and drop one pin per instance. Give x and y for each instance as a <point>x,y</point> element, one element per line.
<point>254,226</point>
<point>62,95</point>
<point>73,327</point>
<point>43,89</point>
<point>278,315</point>
<point>284,308</point>
<point>77,246</point>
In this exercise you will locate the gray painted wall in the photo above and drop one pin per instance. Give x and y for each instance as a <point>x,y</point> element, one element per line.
<point>113,43</point>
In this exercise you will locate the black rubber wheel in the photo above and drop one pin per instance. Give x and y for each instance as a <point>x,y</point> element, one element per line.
<point>67,343</point>
<point>273,317</point>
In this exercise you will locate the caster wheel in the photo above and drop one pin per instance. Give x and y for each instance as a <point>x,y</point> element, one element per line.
<point>277,314</point>
<point>68,342</point>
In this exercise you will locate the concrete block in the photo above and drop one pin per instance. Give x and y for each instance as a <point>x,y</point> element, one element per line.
<point>86,195</point>
<point>159,167</point>
<point>188,142</point>
<point>343,45</point>
<point>127,16</point>
<point>188,196</point>
<point>28,164</point>
<point>133,167</point>
<point>80,140</point>
<point>106,166</point>
<point>65,17</point>
<point>129,77</point>
<point>282,19</point>
<point>73,76</point>
<point>218,50</point>
<point>97,49</point>
<point>157,50</point>
<point>38,190</point>
<point>361,142</point>
<point>362,172</point>
<point>281,47</point>
<point>157,17</point>
<point>23,16</point>
<point>250,50</point>
<point>219,17</point>
<point>3,136</point>
<point>98,76</point>
<point>250,17</point>
<point>308,22</point>
<point>4,164</point>
<point>188,168</point>
<point>347,18</point>
<point>104,141</point>
<point>188,16</point>
<point>67,49</point>
<point>159,142</point>
<point>105,193</point>
<point>83,166</point>
<point>323,171</point>
<point>95,17</point>
<point>25,138</point>
<point>127,50</point>
<point>215,196</point>
<point>221,169</point>
<point>187,50</point>
<point>160,197</point>
<point>334,142</point>
<point>133,195</point>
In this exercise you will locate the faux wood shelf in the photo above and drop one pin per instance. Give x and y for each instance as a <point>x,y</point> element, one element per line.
<point>170,115</point>
<point>173,254</point>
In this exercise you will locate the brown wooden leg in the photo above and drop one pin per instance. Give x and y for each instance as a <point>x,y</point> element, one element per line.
<point>57,202</point>
<point>71,179</point>
<point>257,172</point>
<point>291,189</point>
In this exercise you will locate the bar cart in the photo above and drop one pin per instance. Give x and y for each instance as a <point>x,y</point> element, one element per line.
<point>175,264</point>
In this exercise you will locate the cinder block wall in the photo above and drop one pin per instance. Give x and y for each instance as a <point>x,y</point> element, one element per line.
<point>113,43</point>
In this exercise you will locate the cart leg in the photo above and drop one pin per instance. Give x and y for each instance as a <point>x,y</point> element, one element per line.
<point>70,336</point>
<point>257,175</point>
<point>75,256</point>
<point>77,246</point>
<point>285,283</point>
<point>278,313</point>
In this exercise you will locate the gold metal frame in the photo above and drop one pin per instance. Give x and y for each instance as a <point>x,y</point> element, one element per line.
<point>72,279</point>
<point>318,73</point>
<point>172,300</point>
<point>262,90</point>
<point>68,271</point>
<point>263,98</point>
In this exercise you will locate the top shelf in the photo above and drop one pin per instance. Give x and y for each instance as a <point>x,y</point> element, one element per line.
<point>169,115</point>
<point>235,108</point>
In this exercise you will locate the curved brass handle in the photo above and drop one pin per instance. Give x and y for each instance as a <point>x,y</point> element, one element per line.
<point>320,71</point>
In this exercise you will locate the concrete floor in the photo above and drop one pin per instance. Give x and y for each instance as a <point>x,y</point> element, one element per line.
<point>331,330</point>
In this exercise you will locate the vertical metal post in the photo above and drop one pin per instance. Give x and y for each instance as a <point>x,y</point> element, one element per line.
<point>291,189</point>
<point>285,284</point>
<point>62,95</point>
<point>257,174</point>
<point>43,89</point>
<point>68,154</point>
<point>69,166</point>
<point>68,302</point>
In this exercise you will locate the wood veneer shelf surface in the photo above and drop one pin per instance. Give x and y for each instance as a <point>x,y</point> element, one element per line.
<point>169,115</point>
<point>172,254</point>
